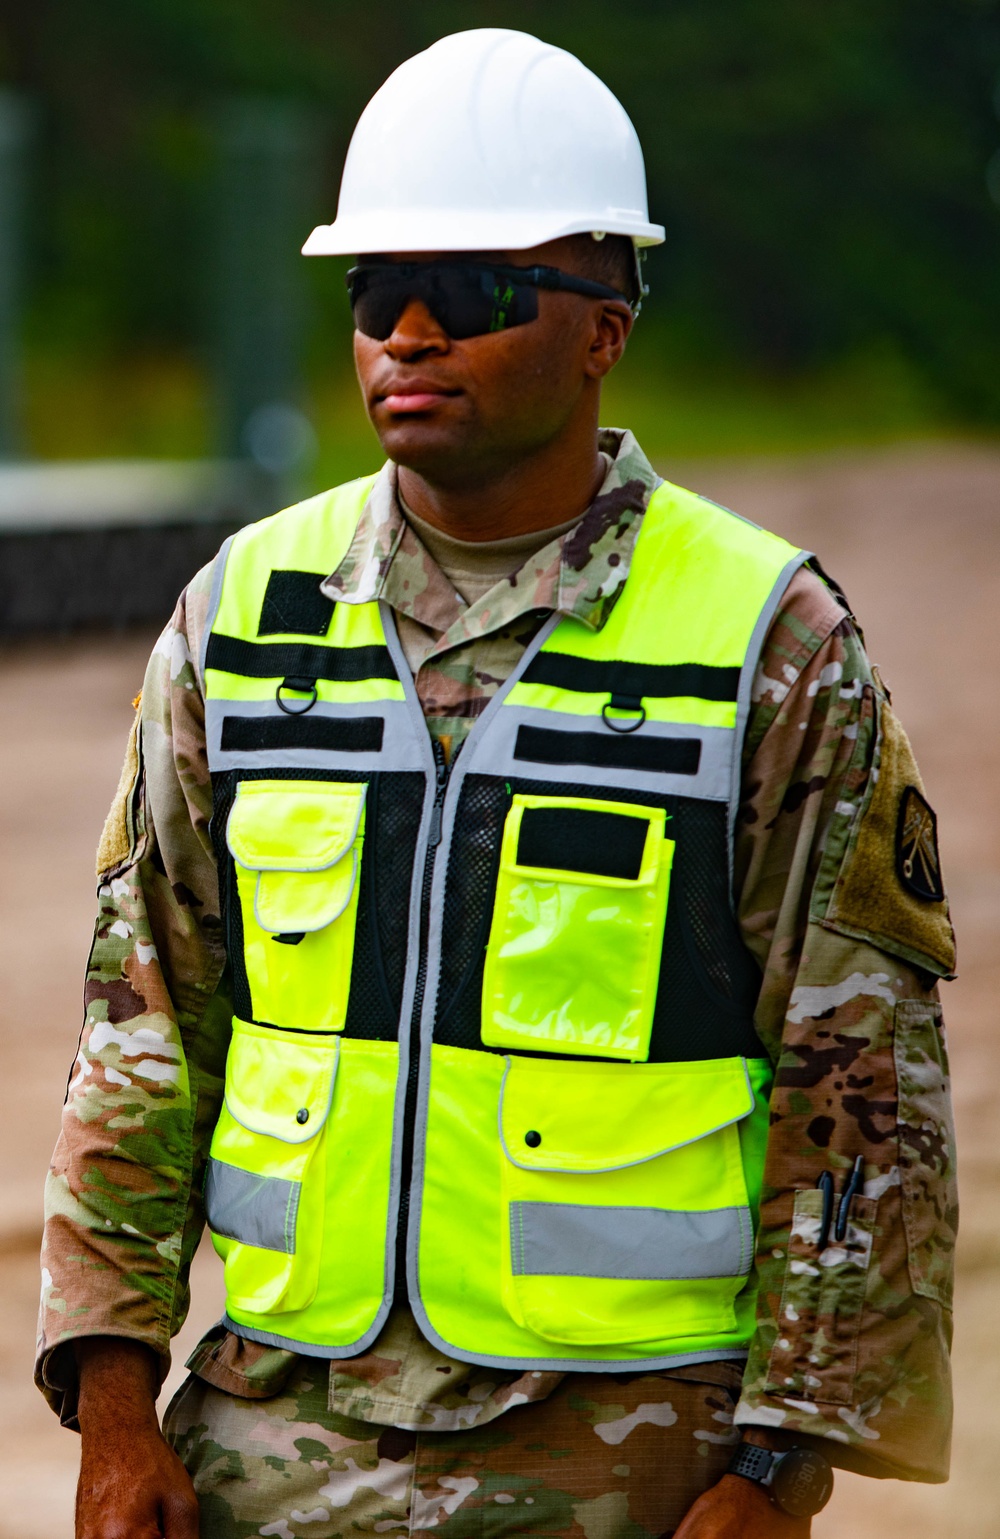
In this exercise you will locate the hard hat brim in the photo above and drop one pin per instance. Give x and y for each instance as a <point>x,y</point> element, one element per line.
<point>458,230</point>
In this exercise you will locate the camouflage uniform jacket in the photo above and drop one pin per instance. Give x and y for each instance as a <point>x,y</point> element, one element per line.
<point>852,1344</point>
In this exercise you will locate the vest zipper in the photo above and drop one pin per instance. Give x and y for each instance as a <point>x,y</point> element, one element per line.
<point>441,785</point>
<point>441,768</point>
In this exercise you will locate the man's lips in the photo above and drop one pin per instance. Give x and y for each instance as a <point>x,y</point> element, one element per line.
<point>414,396</point>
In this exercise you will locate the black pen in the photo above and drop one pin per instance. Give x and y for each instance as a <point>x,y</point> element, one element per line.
<point>851,1190</point>
<point>825,1184</point>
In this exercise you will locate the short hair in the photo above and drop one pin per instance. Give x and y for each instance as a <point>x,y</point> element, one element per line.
<point>610,261</point>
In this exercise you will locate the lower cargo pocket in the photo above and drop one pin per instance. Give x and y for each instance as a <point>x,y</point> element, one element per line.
<point>628,1218</point>
<point>926,1132</point>
<point>264,1187</point>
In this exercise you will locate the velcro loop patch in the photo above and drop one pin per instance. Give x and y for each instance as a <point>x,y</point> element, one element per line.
<point>115,844</point>
<point>890,890</point>
<point>293,605</point>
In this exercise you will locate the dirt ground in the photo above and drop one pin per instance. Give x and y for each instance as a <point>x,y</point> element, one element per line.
<point>913,535</point>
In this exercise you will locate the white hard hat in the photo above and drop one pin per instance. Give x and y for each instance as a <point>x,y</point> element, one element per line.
<point>489,140</point>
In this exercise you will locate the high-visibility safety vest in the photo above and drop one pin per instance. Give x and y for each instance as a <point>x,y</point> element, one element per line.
<point>499,1020</point>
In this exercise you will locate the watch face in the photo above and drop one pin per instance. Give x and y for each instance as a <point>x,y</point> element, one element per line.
<point>802,1483</point>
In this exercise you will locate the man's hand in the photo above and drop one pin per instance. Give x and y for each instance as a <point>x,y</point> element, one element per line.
<point>739,1509</point>
<point>132,1484</point>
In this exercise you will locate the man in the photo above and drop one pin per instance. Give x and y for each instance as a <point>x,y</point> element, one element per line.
<point>518,929</point>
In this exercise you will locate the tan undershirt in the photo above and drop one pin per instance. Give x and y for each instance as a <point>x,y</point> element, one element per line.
<point>473,567</point>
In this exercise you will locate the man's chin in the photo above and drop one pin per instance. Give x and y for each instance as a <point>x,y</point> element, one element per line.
<point>428,448</point>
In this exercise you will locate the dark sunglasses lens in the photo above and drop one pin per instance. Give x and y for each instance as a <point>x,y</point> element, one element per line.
<point>479,301</point>
<point>466,301</point>
<point>377,301</point>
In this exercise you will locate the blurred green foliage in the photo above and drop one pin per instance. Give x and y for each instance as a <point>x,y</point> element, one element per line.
<point>821,169</point>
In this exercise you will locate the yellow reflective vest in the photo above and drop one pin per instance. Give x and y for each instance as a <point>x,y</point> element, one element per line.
<point>494,1036</point>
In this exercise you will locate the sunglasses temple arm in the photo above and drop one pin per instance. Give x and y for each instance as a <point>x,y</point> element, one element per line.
<point>552,278</point>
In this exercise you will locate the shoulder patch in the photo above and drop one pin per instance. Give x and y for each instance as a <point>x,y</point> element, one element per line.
<point>889,890</point>
<point>918,861</point>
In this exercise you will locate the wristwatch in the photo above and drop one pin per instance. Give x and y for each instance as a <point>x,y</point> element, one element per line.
<point>799,1481</point>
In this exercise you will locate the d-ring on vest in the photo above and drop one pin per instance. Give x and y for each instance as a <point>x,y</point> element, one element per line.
<point>529,1046</point>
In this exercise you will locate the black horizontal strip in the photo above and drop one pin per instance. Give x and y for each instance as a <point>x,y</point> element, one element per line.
<point>641,681</point>
<point>279,659</point>
<point>340,734</point>
<point>580,839</point>
<point>610,750</point>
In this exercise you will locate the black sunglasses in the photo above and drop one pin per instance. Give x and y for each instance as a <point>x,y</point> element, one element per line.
<point>468,299</point>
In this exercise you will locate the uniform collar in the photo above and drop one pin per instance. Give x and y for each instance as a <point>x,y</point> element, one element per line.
<point>579,574</point>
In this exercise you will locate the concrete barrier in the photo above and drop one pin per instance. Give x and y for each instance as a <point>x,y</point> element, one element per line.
<point>114,542</point>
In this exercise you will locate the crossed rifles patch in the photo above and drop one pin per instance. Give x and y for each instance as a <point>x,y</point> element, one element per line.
<point>918,863</point>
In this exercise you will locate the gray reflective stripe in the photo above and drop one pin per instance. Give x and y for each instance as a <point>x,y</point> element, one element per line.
<point>748,675</point>
<point>493,754</point>
<point>562,1239</point>
<point>214,600</point>
<point>400,749</point>
<point>256,1210</point>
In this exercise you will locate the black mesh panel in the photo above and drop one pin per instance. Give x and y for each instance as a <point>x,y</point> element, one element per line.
<point>232,914</point>
<point>468,907</point>
<point>709,982</point>
<point>384,905</point>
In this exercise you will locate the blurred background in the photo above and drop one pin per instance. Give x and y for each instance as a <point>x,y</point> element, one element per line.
<point>819,350</point>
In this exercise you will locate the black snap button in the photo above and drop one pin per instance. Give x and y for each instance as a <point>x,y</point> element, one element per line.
<point>532,1139</point>
<point>302,1115</point>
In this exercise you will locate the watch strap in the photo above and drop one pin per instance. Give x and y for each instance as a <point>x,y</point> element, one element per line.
<point>798,1480</point>
<point>752,1463</point>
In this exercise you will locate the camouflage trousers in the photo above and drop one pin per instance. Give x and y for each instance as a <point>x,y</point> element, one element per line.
<point>604,1457</point>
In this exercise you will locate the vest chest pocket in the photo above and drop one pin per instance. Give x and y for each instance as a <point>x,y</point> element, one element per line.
<point>625,1198</point>
<point>573,956</point>
<point>265,1181</point>
<point>297,845</point>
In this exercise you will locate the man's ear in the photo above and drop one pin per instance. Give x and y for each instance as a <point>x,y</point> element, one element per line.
<point>613,322</point>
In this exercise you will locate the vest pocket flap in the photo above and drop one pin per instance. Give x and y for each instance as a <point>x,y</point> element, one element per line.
<point>581,1118</point>
<point>278,1087</point>
<point>293,825</point>
<point>298,902</point>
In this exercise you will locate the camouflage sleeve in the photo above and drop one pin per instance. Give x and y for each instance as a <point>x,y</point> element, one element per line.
<point>840,898</point>
<point>123,1206</point>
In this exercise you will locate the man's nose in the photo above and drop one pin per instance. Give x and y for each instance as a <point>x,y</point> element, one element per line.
<point>416,332</point>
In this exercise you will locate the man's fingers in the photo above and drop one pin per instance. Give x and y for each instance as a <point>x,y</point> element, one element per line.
<point>179,1504</point>
<point>93,1524</point>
